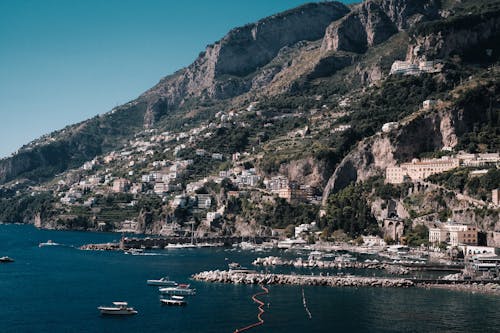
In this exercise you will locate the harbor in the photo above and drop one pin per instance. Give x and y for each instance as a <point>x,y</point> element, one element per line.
<point>101,277</point>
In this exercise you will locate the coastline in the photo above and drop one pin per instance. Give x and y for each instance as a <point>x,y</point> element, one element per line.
<point>491,289</point>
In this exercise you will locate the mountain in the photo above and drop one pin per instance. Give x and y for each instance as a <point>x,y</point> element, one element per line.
<point>299,96</point>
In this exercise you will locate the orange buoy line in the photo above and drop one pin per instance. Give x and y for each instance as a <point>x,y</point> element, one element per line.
<point>261,311</point>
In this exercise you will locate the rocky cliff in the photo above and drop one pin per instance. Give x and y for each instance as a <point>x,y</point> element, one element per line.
<point>373,22</point>
<point>224,69</point>
<point>457,35</point>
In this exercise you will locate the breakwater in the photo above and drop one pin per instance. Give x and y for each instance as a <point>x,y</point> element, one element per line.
<point>309,280</point>
<point>321,264</point>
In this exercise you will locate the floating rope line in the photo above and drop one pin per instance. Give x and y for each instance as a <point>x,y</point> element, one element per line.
<point>305,304</point>
<point>261,311</point>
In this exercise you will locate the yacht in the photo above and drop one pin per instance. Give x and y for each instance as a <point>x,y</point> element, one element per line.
<point>119,308</point>
<point>164,282</point>
<point>50,242</point>
<point>174,300</point>
<point>178,291</point>
<point>6,259</point>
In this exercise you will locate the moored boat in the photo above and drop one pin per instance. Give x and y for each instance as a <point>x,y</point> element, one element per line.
<point>174,300</point>
<point>119,308</point>
<point>6,259</point>
<point>184,291</point>
<point>164,281</point>
<point>50,242</point>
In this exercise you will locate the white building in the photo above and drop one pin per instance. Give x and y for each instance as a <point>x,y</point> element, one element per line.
<point>453,234</point>
<point>387,127</point>
<point>419,170</point>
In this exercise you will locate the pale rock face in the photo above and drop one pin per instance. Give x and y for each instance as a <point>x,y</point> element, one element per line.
<point>373,22</point>
<point>445,42</point>
<point>305,171</point>
<point>449,138</point>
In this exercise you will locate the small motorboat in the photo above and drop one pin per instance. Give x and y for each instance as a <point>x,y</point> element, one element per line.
<point>164,282</point>
<point>184,291</point>
<point>174,300</point>
<point>48,243</point>
<point>119,308</point>
<point>6,259</point>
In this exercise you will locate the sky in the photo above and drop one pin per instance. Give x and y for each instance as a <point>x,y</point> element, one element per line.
<point>62,61</point>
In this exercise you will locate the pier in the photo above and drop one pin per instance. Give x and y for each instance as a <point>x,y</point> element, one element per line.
<point>160,242</point>
<point>304,280</point>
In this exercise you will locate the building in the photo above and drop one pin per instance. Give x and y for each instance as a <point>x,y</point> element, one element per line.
<point>162,188</point>
<point>217,156</point>
<point>341,128</point>
<point>212,216</point>
<point>387,127</point>
<point>419,170</point>
<point>429,103</point>
<point>305,228</point>
<point>495,197</point>
<point>486,263</point>
<point>471,250</point>
<point>204,201</point>
<point>294,192</point>
<point>404,67</point>
<point>120,185</point>
<point>277,183</point>
<point>453,234</point>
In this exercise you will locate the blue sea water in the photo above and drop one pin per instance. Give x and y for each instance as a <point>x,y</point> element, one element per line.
<point>58,289</point>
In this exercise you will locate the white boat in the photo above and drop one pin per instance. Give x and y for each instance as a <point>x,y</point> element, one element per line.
<point>164,281</point>
<point>180,246</point>
<point>174,300</point>
<point>6,259</point>
<point>48,243</point>
<point>119,308</point>
<point>178,291</point>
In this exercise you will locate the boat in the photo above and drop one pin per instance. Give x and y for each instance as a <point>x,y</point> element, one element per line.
<point>178,291</point>
<point>164,281</point>
<point>174,300</point>
<point>50,242</point>
<point>6,259</point>
<point>119,308</point>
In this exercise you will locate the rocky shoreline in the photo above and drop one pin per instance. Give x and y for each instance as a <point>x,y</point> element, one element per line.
<point>251,277</point>
<point>488,288</point>
<point>307,280</point>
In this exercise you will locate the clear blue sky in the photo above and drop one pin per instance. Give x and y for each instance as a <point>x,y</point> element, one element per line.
<point>63,61</point>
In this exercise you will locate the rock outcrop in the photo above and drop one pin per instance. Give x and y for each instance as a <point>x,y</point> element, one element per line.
<point>373,22</point>
<point>438,40</point>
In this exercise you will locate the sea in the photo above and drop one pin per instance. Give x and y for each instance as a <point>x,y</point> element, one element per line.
<point>58,289</point>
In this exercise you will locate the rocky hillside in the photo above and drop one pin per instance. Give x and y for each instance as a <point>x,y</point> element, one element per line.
<point>298,98</point>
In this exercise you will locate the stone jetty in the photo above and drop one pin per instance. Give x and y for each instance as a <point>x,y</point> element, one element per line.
<point>101,247</point>
<point>305,280</point>
<point>322,264</point>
